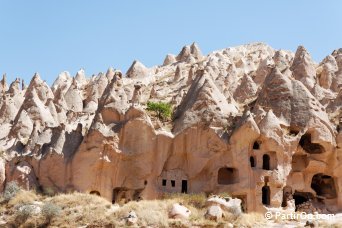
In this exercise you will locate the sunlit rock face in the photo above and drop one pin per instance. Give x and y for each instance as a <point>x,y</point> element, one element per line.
<point>261,124</point>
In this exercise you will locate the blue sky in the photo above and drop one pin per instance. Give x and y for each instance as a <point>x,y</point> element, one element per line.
<point>52,36</point>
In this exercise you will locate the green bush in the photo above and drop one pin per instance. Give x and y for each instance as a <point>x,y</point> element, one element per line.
<point>11,189</point>
<point>162,110</point>
<point>50,210</point>
<point>23,213</point>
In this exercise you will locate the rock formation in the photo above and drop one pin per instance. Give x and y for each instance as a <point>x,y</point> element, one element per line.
<point>261,124</point>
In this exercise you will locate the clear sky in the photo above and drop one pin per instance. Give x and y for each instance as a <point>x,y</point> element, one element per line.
<point>49,36</point>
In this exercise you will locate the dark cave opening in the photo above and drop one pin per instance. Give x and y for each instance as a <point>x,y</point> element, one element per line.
<point>302,197</point>
<point>308,146</point>
<point>324,186</point>
<point>256,145</point>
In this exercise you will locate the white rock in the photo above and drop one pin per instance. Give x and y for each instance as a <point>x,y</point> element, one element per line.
<point>232,205</point>
<point>179,211</point>
<point>131,218</point>
<point>214,213</point>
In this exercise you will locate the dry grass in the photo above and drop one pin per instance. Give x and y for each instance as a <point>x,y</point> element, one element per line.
<point>78,209</point>
<point>23,197</point>
<point>195,200</point>
<point>250,220</point>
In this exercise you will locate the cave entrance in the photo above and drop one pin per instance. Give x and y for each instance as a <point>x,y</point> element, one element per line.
<point>266,193</point>
<point>256,145</point>
<point>252,161</point>
<point>302,197</point>
<point>227,176</point>
<point>119,194</point>
<point>287,195</point>
<point>184,186</point>
<point>266,162</point>
<point>308,146</point>
<point>95,193</point>
<point>324,186</point>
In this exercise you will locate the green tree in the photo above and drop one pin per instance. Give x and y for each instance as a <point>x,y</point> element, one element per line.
<point>163,110</point>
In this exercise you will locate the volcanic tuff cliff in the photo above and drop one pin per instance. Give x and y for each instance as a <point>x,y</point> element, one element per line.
<point>262,124</point>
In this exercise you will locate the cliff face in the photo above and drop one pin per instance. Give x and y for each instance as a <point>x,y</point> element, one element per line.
<point>261,124</point>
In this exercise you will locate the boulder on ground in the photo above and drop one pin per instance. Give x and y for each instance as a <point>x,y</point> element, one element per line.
<point>179,211</point>
<point>131,218</point>
<point>214,212</point>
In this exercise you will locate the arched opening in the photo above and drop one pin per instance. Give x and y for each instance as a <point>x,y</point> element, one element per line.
<point>95,193</point>
<point>256,145</point>
<point>252,161</point>
<point>324,186</point>
<point>266,193</point>
<point>266,162</point>
<point>308,146</point>
<point>302,197</point>
<point>287,195</point>
<point>184,186</point>
<point>227,176</point>
<point>119,194</point>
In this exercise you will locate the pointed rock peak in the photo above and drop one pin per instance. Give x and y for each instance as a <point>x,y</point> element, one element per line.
<point>195,51</point>
<point>14,87</point>
<point>63,81</point>
<point>178,73</point>
<point>270,118</point>
<point>137,70</point>
<point>4,79</point>
<point>110,72</point>
<point>337,52</point>
<point>169,59</point>
<point>36,78</point>
<point>3,85</point>
<point>80,75</point>
<point>184,54</point>
<point>269,123</point>
<point>303,68</point>
<point>275,78</point>
<point>23,86</point>
<point>302,54</point>
<point>246,90</point>
<point>65,75</point>
<point>330,60</point>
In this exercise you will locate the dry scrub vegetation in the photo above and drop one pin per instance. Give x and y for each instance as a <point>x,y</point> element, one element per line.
<point>85,210</point>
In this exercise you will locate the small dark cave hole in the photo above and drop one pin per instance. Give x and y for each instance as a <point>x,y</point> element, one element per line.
<point>309,147</point>
<point>256,145</point>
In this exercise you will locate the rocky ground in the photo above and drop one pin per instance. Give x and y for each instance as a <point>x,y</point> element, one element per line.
<point>21,208</point>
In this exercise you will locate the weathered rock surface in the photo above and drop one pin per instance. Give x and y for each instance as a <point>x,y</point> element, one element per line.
<point>261,124</point>
<point>179,211</point>
<point>214,213</point>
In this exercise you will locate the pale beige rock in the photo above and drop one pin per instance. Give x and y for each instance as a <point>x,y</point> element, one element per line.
<point>169,59</point>
<point>178,211</point>
<point>137,70</point>
<point>131,218</point>
<point>263,125</point>
<point>303,68</point>
<point>214,213</point>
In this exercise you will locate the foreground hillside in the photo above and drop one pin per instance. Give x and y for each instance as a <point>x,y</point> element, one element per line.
<point>263,125</point>
<point>23,208</point>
